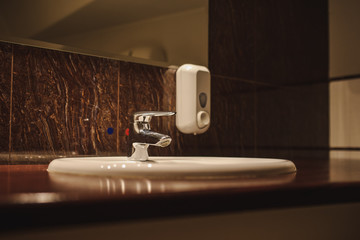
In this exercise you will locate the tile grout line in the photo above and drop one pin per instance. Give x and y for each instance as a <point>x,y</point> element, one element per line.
<point>273,85</point>
<point>118,110</point>
<point>255,90</point>
<point>11,99</point>
<point>344,78</point>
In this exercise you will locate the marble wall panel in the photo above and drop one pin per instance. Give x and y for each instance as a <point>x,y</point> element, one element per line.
<point>5,94</point>
<point>63,103</point>
<point>291,41</point>
<point>293,122</point>
<point>281,47</point>
<point>270,41</point>
<point>231,38</point>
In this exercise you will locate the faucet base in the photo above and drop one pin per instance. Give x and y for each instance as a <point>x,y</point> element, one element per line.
<point>140,153</point>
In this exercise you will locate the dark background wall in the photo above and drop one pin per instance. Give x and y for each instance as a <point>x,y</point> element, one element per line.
<point>269,66</point>
<point>274,54</point>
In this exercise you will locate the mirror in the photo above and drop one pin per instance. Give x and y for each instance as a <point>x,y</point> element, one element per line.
<point>155,32</point>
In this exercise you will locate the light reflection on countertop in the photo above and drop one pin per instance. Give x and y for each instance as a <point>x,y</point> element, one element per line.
<point>35,198</point>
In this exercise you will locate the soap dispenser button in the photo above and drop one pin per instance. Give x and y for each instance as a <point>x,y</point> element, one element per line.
<point>203,119</point>
<point>202,99</point>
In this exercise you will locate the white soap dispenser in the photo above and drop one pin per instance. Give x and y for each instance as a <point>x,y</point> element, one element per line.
<point>193,99</point>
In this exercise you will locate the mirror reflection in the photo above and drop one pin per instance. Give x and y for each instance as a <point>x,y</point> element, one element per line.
<point>162,32</point>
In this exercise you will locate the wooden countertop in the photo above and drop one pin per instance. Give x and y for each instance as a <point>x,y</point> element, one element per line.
<point>29,192</point>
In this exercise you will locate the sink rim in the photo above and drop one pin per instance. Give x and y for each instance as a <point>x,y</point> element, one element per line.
<point>160,167</point>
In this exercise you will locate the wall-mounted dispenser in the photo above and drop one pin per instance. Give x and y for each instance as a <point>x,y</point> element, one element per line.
<point>193,99</point>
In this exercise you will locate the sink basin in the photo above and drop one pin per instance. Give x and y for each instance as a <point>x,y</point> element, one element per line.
<point>158,167</point>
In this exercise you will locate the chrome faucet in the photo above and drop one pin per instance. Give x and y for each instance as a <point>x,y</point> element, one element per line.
<point>141,136</point>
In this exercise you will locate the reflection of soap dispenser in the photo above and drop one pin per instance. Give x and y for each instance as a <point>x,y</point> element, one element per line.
<point>192,99</point>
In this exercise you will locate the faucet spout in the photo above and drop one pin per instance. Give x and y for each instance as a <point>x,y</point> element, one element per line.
<point>153,138</point>
<point>141,136</point>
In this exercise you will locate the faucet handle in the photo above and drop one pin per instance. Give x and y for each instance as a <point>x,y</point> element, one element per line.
<point>142,119</point>
<point>145,116</point>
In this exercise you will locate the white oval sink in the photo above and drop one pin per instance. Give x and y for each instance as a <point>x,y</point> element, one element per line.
<point>172,166</point>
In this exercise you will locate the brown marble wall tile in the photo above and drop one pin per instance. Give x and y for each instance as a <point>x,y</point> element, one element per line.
<point>294,153</point>
<point>273,44</point>
<point>231,38</point>
<point>5,93</point>
<point>291,41</point>
<point>271,41</point>
<point>63,103</point>
<point>293,120</point>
